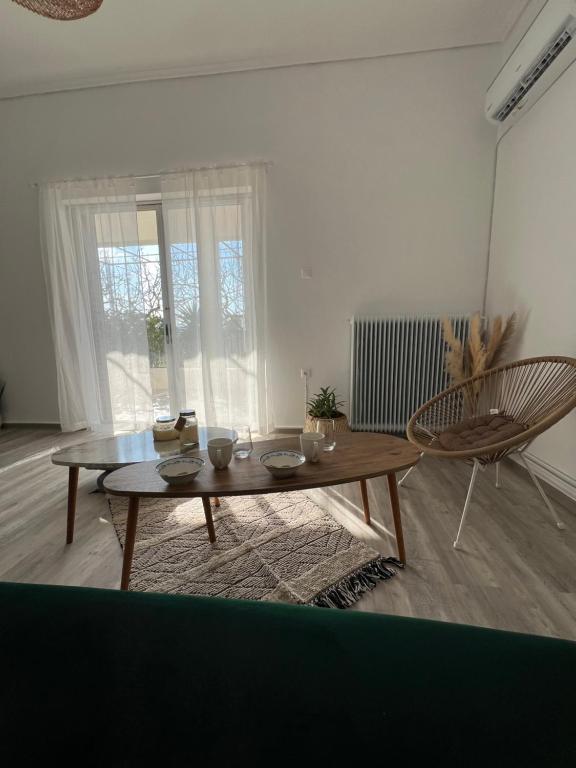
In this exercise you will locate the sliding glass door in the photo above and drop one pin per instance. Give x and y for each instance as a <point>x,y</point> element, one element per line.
<point>210,337</point>
<point>181,303</point>
<point>129,307</point>
<point>156,288</point>
<point>120,292</point>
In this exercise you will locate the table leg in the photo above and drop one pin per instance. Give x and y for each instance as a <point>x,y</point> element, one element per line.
<point>216,501</point>
<point>129,540</point>
<point>72,493</point>
<point>364,491</point>
<point>100,481</point>
<point>395,502</point>
<point>209,521</point>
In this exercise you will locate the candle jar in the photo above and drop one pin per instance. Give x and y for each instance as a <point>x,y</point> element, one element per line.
<point>163,429</point>
<point>189,432</point>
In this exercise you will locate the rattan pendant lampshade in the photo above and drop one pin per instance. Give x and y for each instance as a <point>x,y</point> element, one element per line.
<point>63,10</point>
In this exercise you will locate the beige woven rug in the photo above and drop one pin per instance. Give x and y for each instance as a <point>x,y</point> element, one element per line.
<point>279,547</point>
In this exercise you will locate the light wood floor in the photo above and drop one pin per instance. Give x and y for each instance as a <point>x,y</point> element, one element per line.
<point>516,570</point>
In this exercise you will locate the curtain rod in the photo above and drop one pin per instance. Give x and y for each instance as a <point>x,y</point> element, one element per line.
<point>157,174</point>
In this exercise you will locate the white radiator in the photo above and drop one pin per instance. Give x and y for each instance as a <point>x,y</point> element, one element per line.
<point>397,364</point>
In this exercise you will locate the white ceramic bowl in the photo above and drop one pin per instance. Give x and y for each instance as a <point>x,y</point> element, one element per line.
<point>179,470</point>
<point>282,463</point>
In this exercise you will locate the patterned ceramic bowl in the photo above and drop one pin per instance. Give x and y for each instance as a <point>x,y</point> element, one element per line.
<point>180,470</point>
<point>282,463</point>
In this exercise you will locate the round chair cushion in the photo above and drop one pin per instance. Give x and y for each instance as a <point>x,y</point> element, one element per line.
<point>479,432</point>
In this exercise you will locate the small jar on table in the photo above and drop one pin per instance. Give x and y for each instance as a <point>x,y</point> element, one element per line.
<point>164,429</point>
<point>189,432</point>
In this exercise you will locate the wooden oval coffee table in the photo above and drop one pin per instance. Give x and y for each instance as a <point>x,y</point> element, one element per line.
<point>109,453</point>
<point>358,457</point>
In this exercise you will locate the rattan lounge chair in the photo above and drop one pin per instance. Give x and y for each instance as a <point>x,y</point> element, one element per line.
<point>495,414</point>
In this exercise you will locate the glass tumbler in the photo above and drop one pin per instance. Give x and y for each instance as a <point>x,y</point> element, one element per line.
<point>326,426</point>
<point>243,445</point>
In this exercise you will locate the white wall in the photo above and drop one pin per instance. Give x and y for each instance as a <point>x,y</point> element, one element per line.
<point>380,185</point>
<point>533,255</point>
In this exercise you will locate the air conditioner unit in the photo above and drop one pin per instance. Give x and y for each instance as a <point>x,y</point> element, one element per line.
<point>545,51</point>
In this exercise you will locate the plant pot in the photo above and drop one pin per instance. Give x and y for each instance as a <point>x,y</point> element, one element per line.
<point>340,423</point>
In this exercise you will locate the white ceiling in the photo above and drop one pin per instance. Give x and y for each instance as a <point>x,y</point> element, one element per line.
<point>128,40</point>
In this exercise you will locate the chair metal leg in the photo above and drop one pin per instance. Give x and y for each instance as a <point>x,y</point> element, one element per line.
<point>467,502</point>
<point>405,475</point>
<point>498,484</point>
<point>547,501</point>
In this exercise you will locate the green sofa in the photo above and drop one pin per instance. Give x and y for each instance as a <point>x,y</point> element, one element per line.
<point>96,677</point>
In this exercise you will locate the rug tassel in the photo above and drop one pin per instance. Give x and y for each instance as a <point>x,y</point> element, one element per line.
<point>350,589</point>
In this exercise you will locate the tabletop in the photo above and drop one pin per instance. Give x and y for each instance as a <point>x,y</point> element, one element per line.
<point>357,456</point>
<point>123,450</point>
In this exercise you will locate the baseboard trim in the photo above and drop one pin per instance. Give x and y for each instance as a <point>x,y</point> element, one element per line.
<point>551,475</point>
<point>25,423</point>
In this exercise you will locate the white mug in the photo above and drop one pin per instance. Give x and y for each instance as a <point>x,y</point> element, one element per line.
<point>220,451</point>
<point>312,444</point>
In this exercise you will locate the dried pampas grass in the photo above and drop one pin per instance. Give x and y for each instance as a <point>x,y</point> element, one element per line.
<point>497,347</point>
<point>454,359</point>
<point>476,346</point>
<point>484,348</point>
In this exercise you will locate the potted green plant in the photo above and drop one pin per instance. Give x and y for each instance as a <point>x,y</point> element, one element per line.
<point>325,406</point>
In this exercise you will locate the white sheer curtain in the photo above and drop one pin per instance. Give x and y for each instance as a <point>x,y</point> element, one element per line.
<point>93,274</point>
<point>215,238</point>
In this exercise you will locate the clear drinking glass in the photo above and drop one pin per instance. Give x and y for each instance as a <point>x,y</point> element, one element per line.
<point>326,426</point>
<point>243,445</point>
